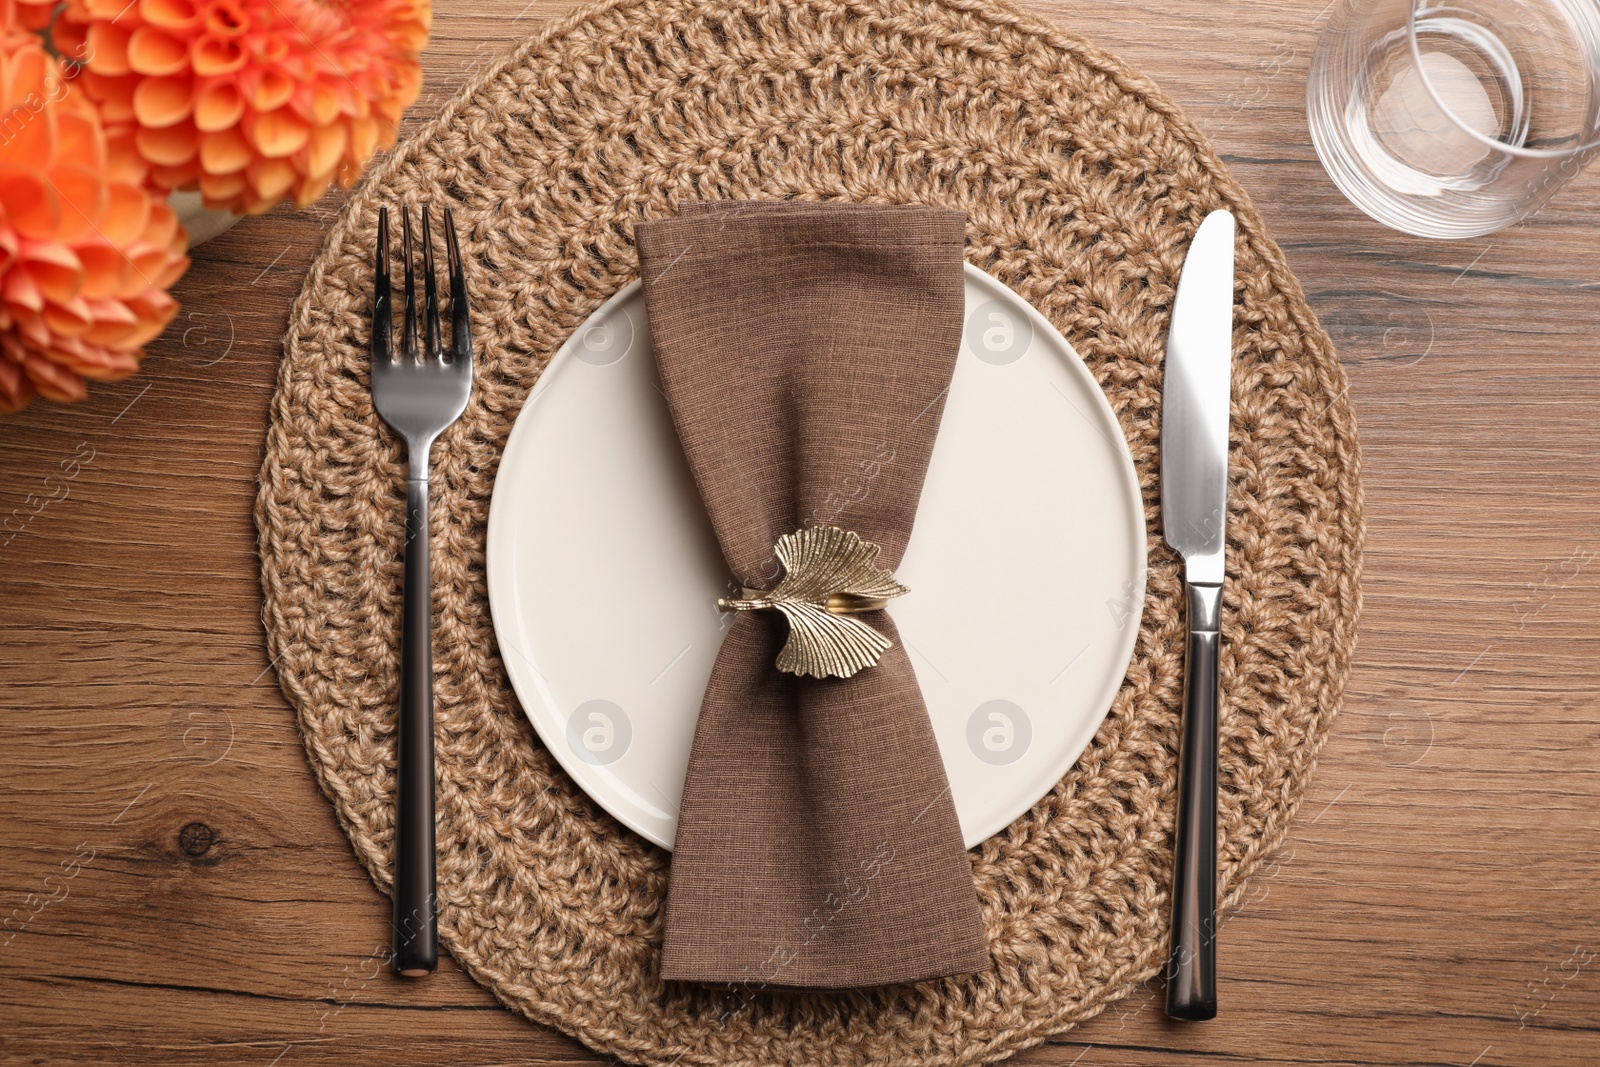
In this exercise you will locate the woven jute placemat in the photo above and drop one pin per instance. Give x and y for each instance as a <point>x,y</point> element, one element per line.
<point>1083,186</point>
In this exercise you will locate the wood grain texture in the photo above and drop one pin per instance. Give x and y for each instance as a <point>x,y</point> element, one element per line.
<point>1437,902</point>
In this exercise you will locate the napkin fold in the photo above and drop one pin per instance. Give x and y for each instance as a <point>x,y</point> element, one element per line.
<point>805,350</point>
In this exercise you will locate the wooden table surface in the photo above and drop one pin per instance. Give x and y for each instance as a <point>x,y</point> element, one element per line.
<point>177,890</point>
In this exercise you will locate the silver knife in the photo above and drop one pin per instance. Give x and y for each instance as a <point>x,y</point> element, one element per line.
<point>1194,501</point>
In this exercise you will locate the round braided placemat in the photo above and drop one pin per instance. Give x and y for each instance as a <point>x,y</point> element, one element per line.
<point>1083,186</point>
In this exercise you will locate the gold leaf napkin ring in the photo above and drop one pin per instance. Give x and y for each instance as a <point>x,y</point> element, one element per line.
<point>829,575</point>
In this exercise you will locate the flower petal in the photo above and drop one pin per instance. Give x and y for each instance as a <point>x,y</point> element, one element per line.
<point>101,363</point>
<point>220,190</point>
<point>272,177</point>
<point>155,309</point>
<point>163,225</point>
<point>54,381</point>
<point>227,18</point>
<point>79,139</point>
<point>105,271</point>
<point>215,55</point>
<point>171,146</point>
<point>28,132</point>
<point>114,321</point>
<point>176,263</point>
<point>273,49</point>
<point>123,161</point>
<point>219,107</point>
<point>82,196</point>
<point>33,16</point>
<point>21,291</point>
<point>16,388</point>
<point>181,176</point>
<point>327,147</point>
<point>363,137</point>
<point>169,14</point>
<point>108,45</point>
<point>324,104</point>
<point>69,318</point>
<point>311,189</point>
<point>278,133</point>
<point>148,263</point>
<point>56,270</point>
<point>270,90</point>
<point>30,201</point>
<point>225,151</point>
<point>164,101</point>
<point>152,51</point>
<point>113,95</point>
<point>30,326</point>
<point>110,10</point>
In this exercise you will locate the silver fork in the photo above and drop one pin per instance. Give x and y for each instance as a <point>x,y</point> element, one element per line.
<point>418,395</point>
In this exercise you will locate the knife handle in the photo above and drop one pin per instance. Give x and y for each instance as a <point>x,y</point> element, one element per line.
<point>1192,966</point>
<point>416,945</point>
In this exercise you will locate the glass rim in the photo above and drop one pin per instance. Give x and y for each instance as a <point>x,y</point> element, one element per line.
<point>1547,154</point>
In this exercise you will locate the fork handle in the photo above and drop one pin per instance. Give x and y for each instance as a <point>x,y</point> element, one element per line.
<point>416,942</point>
<point>1192,967</point>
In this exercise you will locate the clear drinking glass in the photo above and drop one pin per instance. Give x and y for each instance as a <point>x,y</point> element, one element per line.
<point>1454,118</point>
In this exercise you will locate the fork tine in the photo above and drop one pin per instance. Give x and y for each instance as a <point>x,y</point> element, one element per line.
<point>430,303</point>
<point>460,320</point>
<point>382,325</point>
<point>408,333</point>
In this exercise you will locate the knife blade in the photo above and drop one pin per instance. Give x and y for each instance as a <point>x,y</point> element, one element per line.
<point>1194,497</point>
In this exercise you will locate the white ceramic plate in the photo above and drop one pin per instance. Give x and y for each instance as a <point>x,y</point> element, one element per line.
<point>1026,567</point>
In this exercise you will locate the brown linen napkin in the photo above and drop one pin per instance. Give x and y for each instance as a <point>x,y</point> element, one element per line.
<point>805,351</point>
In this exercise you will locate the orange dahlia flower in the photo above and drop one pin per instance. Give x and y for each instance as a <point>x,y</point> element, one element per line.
<point>250,101</point>
<point>86,252</point>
